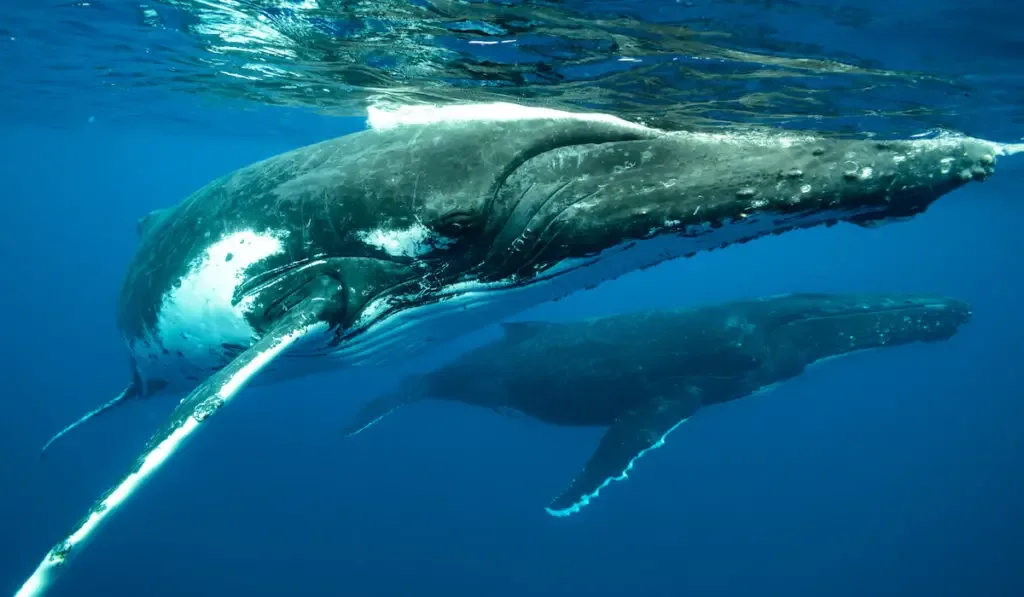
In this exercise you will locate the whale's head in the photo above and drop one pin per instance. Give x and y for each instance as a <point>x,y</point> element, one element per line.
<point>475,210</point>
<point>637,202</point>
<point>813,327</point>
<point>459,218</point>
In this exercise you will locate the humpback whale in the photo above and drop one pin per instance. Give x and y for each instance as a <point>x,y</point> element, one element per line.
<point>642,374</point>
<point>370,247</point>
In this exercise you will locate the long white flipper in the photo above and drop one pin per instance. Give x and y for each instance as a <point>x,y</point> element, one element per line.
<point>1009,148</point>
<point>185,420</point>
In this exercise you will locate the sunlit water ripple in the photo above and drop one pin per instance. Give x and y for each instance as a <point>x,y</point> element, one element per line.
<point>853,67</point>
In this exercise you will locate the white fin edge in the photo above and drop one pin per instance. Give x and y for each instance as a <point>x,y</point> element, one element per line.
<point>1009,148</point>
<point>586,498</point>
<point>56,559</point>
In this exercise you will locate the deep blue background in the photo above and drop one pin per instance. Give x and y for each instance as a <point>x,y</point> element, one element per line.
<point>895,472</point>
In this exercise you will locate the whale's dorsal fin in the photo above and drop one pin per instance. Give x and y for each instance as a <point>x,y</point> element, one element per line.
<point>147,222</point>
<point>627,439</point>
<point>318,304</point>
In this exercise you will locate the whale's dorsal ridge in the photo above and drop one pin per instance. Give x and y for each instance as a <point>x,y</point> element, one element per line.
<point>385,117</point>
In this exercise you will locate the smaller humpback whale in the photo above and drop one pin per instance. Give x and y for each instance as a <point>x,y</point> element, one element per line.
<point>375,246</point>
<point>642,374</point>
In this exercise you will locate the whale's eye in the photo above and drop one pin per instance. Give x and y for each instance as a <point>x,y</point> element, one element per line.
<point>456,224</point>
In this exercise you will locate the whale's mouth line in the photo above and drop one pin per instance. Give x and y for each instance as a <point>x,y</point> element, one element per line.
<point>403,301</point>
<point>390,304</point>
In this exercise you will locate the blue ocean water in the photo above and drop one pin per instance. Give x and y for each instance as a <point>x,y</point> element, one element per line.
<point>892,472</point>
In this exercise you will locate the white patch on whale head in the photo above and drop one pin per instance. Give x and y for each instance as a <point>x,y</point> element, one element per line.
<point>413,241</point>
<point>197,316</point>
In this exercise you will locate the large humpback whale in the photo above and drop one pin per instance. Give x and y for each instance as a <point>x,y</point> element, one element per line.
<point>369,247</point>
<point>642,374</point>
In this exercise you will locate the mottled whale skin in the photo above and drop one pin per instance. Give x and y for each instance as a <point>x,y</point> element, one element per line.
<point>371,247</point>
<point>642,374</point>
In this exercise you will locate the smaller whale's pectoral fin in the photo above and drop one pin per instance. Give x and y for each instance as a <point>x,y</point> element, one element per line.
<point>628,438</point>
<point>412,389</point>
<point>126,394</point>
<point>312,312</point>
<point>508,412</point>
<point>373,411</point>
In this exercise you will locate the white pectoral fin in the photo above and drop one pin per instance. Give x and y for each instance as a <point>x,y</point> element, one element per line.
<point>193,410</point>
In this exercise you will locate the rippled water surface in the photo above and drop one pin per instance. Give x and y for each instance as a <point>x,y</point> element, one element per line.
<point>853,66</point>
